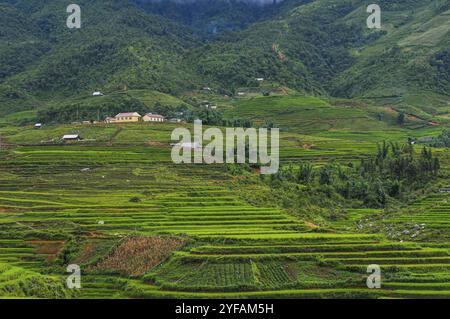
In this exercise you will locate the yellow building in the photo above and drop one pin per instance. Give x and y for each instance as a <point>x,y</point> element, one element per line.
<point>150,117</point>
<point>128,117</point>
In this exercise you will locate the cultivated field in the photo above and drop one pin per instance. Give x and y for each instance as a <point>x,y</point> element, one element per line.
<point>187,230</point>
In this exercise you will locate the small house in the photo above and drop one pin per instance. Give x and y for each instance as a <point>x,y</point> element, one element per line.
<point>259,79</point>
<point>71,137</point>
<point>150,117</point>
<point>128,117</point>
<point>38,125</point>
<point>110,119</point>
<point>98,93</point>
<point>444,190</point>
<point>175,120</point>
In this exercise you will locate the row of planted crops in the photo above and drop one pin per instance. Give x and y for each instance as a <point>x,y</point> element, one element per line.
<point>94,205</point>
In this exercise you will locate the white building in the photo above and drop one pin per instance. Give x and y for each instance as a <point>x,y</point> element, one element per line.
<point>110,119</point>
<point>98,93</point>
<point>71,137</point>
<point>150,117</point>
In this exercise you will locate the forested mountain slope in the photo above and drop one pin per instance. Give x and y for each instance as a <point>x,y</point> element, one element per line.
<point>314,47</point>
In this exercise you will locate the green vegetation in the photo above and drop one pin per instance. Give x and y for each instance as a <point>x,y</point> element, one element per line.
<point>213,233</point>
<point>442,140</point>
<point>379,182</point>
<point>364,151</point>
<point>18,282</point>
<point>312,47</point>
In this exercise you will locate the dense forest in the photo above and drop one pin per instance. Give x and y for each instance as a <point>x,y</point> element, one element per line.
<point>387,180</point>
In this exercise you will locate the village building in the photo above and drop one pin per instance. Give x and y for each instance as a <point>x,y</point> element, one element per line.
<point>110,119</point>
<point>128,117</point>
<point>150,117</point>
<point>205,104</point>
<point>97,93</point>
<point>71,137</point>
<point>38,125</point>
<point>444,190</point>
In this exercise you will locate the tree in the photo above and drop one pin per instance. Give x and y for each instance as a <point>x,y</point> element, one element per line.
<point>401,118</point>
<point>326,177</point>
<point>268,124</point>
<point>306,173</point>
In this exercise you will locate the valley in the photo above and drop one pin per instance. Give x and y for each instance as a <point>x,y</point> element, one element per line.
<point>85,203</point>
<point>364,159</point>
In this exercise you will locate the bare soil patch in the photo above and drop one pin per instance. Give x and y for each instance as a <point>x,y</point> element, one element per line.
<point>50,248</point>
<point>137,255</point>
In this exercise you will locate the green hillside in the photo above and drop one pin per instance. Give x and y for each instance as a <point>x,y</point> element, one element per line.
<point>306,114</point>
<point>318,48</point>
<point>119,47</point>
<point>364,163</point>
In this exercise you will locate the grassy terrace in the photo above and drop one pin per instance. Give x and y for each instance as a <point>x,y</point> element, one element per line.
<point>100,192</point>
<point>433,212</point>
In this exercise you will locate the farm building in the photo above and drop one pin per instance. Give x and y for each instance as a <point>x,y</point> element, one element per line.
<point>445,190</point>
<point>153,118</point>
<point>128,117</point>
<point>71,137</point>
<point>110,119</point>
<point>38,125</point>
<point>97,93</point>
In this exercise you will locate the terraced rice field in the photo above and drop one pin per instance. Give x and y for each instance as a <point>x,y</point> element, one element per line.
<point>77,203</point>
<point>433,212</point>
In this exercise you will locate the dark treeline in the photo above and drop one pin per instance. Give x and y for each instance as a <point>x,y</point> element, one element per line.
<point>92,112</point>
<point>110,107</point>
<point>392,174</point>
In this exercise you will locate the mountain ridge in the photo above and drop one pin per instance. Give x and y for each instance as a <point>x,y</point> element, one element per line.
<point>315,47</point>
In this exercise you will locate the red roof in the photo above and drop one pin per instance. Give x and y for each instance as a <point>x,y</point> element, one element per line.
<point>154,115</point>
<point>130,114</point>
